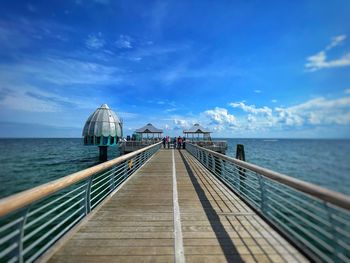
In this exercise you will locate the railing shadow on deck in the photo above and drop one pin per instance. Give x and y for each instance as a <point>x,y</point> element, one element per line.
<point>254,225</point>
<point>314,219</point>
<point>227,246</point>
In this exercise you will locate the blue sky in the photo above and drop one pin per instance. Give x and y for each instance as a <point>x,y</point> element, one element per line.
<point>240,68</point>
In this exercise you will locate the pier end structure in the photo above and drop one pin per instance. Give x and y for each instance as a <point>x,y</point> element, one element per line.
<point>200,136</point>
<point>148,135</point>
<point>103,128</point>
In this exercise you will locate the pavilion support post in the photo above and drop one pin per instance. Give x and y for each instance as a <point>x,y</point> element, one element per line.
<point>103,153</point>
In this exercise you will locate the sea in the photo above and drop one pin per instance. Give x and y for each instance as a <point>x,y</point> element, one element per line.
<point>25,163</point>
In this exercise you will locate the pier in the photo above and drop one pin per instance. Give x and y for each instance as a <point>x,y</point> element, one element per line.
<point>168,205</point>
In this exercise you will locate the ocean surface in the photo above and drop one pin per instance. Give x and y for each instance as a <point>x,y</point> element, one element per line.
<point>25,163</point>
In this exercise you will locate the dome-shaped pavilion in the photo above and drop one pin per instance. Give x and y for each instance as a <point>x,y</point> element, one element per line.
<point>103,128</point>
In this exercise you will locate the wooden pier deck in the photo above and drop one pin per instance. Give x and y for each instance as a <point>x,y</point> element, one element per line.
<point>174,210</point>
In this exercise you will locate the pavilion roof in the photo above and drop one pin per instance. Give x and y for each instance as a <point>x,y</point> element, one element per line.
<point>197,129</point>
<point>149,128</point>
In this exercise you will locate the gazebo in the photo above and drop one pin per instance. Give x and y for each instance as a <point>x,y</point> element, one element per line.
<point>197,130</point>
<point>149,129</point>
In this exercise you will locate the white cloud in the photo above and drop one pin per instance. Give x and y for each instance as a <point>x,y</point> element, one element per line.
<point>171,110</point>
<point>181,124</point>
<point>319,60</point>
<point>252,109</point>
<point>29,99</point>
<point>315,112</point>
<point>220,116</point>
<point>124,41</point>
<point>61,71</point>
<point>95,41</point>
<point>257,91</point>
<point>274,101</point>
<point>347,91</point>
<point>336,41</point>
<point>318,111</point>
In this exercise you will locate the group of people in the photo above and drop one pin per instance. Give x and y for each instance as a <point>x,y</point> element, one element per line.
<point>177,142</point>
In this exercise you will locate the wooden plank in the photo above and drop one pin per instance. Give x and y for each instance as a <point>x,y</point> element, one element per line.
<point>109,259</point>
<point>136,225</point>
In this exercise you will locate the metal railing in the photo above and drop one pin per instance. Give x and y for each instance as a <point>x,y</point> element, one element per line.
<point>33,220</point>
<point>315,219</point>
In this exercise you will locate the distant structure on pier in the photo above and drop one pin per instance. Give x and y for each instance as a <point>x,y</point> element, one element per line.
<point>147,135</point>
<point>103,128</point>
<point>197,132</point>
<point>201,137</point>
<point>149,129</point>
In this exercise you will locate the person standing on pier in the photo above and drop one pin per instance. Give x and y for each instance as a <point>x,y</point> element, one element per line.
<point>164,140</point>
<point>179,142</point>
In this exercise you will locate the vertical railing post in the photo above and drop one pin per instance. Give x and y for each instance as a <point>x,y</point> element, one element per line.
<point>19,252</point>
<point>213,163</point>
<point>263,193</point>
<point>87,195</point>
<point>222,168</point>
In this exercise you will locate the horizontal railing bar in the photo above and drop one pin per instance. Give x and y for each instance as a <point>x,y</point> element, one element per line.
<point>34,211</point>
<point>299,227</point>
<point>321,193</point>
<point>40,251</point>
<point>296,198</point>
<point>117,180</point>
<point>340,220</point>
<point>240,192</point>
<point>8,250</point>
<point>110,177</point>
<point>98,200</point>
<point>102,174</point>
<point>302,239</point>
<point>314,227</point>
<point>342,232</point>
<point>20,200</point>
<point>28,236</point>
<point>246,179</point>
<point>300,208</point>
<point>107,178</point>
<point>10,224</point>
<point>97,195</point>
<point>9,236</point>
<point>25,251</point>
<point>13,260</point>
<point>51,210</point>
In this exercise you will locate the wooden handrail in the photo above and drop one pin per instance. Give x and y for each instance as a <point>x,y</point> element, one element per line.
<point>24,198</point>
<point>335,198</point>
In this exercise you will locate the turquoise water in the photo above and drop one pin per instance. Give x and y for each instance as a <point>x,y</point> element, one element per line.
<point>25,163</point>
<point>322,162</point>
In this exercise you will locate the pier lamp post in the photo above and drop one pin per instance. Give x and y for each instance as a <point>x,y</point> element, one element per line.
<point>103,128</point>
